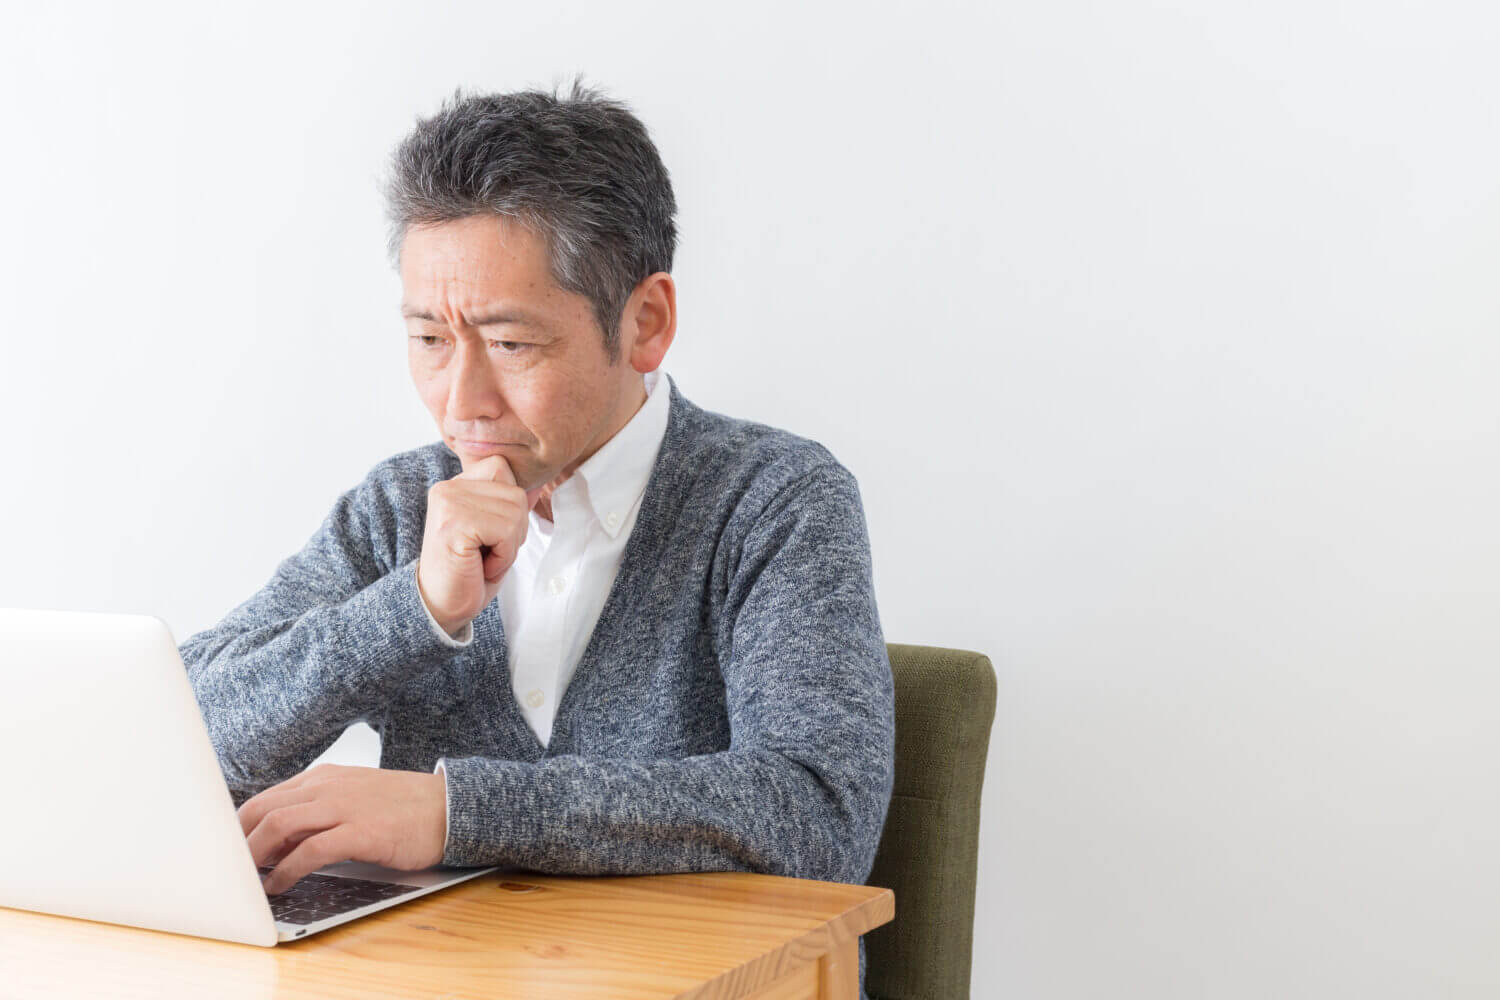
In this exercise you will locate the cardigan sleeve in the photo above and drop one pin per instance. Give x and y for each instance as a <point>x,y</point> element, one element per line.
<point>321,646</point>
<point>803,788</point>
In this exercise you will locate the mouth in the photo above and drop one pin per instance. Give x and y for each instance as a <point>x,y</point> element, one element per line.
<point>486,445</point>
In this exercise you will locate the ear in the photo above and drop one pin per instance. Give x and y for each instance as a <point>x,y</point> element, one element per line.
<point>649,322</point>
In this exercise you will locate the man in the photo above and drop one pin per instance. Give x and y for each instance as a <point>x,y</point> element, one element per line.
<point>684,669</point>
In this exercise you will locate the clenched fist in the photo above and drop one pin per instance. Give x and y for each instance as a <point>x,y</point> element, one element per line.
<point>476,523</point>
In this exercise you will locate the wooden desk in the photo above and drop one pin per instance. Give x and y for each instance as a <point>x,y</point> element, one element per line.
<point>502,934</point>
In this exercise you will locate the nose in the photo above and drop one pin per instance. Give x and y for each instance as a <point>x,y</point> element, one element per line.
<point>474,392</point>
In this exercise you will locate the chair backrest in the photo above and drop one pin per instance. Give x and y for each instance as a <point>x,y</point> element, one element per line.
<point>929,849</point>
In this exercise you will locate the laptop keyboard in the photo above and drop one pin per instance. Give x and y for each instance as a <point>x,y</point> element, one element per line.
<point>317,897</point>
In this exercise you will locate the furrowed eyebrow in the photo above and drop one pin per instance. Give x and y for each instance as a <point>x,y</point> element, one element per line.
<point>485,319</point>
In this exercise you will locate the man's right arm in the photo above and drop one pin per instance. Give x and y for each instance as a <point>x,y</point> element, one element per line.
<point>324,644</point>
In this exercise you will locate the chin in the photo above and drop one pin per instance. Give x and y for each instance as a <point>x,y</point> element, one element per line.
<point>518,460</point>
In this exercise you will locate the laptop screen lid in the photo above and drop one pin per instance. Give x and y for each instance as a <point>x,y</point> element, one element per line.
<point>118,809</point>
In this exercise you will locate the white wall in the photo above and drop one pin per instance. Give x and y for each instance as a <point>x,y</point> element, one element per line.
<point>1161,337</point>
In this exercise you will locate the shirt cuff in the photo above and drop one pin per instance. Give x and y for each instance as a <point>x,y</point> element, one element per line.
<point>465,635</point>
<point>440,769</point>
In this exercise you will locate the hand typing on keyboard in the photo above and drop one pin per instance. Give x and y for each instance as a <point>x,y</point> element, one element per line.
<point>332,813</point>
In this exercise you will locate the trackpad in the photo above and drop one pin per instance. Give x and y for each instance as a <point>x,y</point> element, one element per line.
<point>423,877</point>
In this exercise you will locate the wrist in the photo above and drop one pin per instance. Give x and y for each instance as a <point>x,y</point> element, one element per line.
<point>440,786</point>
<point>447,625</point>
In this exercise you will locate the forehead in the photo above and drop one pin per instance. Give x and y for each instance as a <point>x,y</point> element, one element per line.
<point>482,255</point>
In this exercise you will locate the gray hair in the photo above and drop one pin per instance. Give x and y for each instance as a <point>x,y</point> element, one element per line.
<point>580,171</point>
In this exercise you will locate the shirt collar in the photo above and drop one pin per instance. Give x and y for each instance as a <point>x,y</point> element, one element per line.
<point>616,474</point>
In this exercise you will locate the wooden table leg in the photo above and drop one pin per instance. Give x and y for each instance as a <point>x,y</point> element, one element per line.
<point>838,972</point>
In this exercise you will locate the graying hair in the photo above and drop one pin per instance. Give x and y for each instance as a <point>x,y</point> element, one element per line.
<point>580,171</point>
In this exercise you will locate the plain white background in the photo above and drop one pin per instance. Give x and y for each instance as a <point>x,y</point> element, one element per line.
<point>1162,339</point>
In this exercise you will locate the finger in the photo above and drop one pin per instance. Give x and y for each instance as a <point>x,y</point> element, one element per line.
<point>266,799</point>
<point>483,490</point>
<point>481,531</point>
<point>276,857</point>
<point>255,808</point>
<point>283,828</point>
<point>488,509</point>
<point>317,851</point>
<point>494,566</point>
<point>494,469</point>
<point>503,505</point>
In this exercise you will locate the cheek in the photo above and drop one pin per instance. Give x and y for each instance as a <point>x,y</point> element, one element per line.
<point>548,412</point>
<point>432,387</point>
<point>529,410</point>
<point>564,413</point>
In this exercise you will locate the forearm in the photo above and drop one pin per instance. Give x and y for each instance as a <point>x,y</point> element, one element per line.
<point>740,810</point>
<point>276,694</point>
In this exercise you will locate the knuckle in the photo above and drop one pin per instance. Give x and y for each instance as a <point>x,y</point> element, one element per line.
<point>450,525</point>
<point>275,822</point>
<point>323,848</point>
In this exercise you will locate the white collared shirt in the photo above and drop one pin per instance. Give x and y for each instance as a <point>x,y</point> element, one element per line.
<point>551,596</point>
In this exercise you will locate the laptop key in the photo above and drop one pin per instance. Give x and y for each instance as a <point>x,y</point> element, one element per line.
<point>316,897</point>
<point>299,916</point>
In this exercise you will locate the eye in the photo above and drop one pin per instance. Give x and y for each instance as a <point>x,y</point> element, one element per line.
<point>432,341</point>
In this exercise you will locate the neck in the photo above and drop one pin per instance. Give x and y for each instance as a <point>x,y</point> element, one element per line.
<point>632,400</point>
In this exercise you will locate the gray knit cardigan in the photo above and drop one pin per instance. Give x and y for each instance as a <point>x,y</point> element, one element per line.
<point>733,710</point>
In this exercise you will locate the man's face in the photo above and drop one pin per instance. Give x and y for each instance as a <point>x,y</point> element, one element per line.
<point>499,353</point>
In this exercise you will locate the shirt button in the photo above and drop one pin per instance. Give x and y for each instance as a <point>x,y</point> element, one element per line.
<point>557,584</point>
<point>611,519</point>
<point>534,697</point>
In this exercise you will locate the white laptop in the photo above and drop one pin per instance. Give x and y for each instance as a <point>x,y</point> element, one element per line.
<point>115,807</point>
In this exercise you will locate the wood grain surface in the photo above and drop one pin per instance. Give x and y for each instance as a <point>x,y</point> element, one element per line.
<point>709,936</point>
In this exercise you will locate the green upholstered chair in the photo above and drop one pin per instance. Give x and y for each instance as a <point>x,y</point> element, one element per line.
<point>929,849</point>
